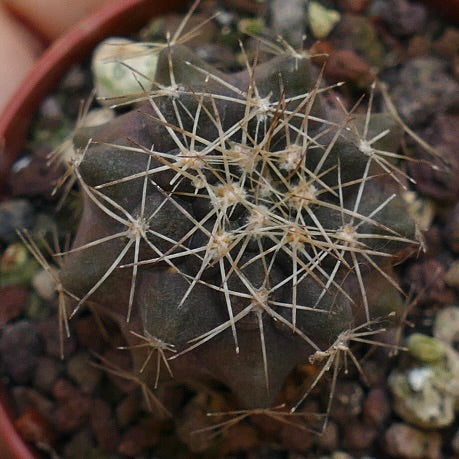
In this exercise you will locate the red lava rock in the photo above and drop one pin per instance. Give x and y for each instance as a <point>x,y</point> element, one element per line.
<point>72,414</point>
<point>403,441</point>
<point>50,331</point>
<point>88,334</point>
<point>354,6</point>
<point>346,65</point>
<point>12,302</point>
<point>74,407</point>
<point>104,426</point>
<point>358,436</point>
<point>34,428</point>
<point>320,51</point>
<point>139,438</point>
<point>376,408</point>
<point>296,439</point>
<point>36,178</point>
<point>20,347</point>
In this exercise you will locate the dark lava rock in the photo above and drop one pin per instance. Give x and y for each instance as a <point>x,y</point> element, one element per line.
<point>15,214</point>
<point>32,176</point>
<point>423,89</point>
<point>439,182</point>
<point>20,347</point>
<point>403,18</point>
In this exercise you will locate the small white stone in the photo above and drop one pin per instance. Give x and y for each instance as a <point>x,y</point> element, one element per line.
<point>113,78</point>
<point>44,285</point>
<point>98,116</point>
<point>418,377</point>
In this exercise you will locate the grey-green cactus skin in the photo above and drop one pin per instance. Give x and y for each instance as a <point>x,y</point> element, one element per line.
<point>287,286</point>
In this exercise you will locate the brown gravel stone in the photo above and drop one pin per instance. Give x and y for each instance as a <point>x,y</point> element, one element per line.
<point>72,414</point>
<point>122,360</point>
<point>26,397</point>
<point>347,401</point>
<point>404,441</point>
<point>354,6</point>
<point>80,445</point>
<point>241,437</point>
<point>376,408</point>
<point>88,334</point>
<point>329,440</point>
<point>358,436</point>
<point>87,376</point>
<point>49,330</point>
<point>452,276</point>
<point>139,438</point>
<point>46,373</point>
<point>128,409</point>
<point>12,302</point>
<point>374,371</point>
<point>296,439</point>
<point>104,426</point>
<point>63,390</point>
<point>448,44</point>
<point>419,45</point>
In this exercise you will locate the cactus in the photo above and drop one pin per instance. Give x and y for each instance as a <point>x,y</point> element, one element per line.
<point>236,225</point>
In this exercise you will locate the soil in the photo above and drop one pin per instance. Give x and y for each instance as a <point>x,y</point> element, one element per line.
<point>75,407</point>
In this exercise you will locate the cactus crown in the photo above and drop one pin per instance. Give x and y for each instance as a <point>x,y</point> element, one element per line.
<point>237,225</point>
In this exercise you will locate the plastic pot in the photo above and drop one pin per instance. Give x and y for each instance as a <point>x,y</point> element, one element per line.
<point>121,17</point>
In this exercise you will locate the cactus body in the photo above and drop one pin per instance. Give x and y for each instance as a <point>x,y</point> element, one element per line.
<point>239,220</point>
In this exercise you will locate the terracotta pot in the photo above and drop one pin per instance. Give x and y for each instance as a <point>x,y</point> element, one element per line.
<point>120,17</point>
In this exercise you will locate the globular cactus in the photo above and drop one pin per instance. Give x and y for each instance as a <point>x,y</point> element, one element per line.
<point>236,224</point>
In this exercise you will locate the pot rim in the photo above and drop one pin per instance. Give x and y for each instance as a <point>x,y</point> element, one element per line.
<point>70,48</point>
